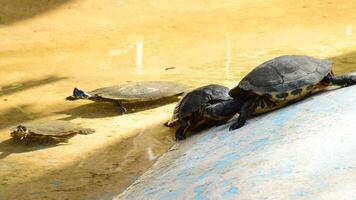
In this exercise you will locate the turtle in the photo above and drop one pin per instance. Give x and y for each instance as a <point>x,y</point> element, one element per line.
<point>48,131</point>
<point>276,83</point>
<point>131,93</point>
<point>187,114</point>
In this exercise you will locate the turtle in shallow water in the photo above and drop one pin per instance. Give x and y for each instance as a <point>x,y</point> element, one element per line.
<point>130,93</point>
<point>52,131</point>
<point>275,83</point>
<point>188,114</point>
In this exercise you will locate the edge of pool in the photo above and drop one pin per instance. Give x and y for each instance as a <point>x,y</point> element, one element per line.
<point>303,151</point>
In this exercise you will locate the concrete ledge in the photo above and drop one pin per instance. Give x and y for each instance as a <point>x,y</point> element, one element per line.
<point>304,151</point>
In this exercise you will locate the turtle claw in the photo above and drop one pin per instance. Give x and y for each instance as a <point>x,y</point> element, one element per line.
<point>236,125</point>
<point>167,124</point>
<point>180,137</point>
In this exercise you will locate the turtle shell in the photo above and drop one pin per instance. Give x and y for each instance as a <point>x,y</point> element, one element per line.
<point>45,130</point>
<point>140,91</point>
<point>191,102</point>
<point>283,74</point>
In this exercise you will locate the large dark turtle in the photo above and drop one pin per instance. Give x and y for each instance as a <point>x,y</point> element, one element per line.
<point>52,131</point>
<point>275,83</point>
<point>187,114</point>
<point>136,92</point>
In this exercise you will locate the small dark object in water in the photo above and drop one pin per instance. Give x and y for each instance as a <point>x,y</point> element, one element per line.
<point>277,82</point>
<point>168,68</point>
<point>52,131</point>
<point>131,93</point>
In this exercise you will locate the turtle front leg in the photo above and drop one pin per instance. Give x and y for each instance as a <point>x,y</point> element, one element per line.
<point>168,124</point>
<point>247,109</point>
<point>221,111</point>
<point>183,128</point>
<point>120,108</point>
<point>343,80</point>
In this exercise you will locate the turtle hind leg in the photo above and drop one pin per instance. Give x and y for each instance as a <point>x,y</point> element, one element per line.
<point>343,80</point>
<point>120,108</point>
<point>181,131</point>
<point>247,109</point>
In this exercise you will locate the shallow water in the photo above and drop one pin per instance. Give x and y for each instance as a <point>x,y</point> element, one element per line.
<point>86,44</point>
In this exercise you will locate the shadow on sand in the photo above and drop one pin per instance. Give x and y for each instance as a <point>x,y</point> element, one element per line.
<point>16,10</point>
<point>344,63</point>
<point>15,115</point>
<point>11,146</point>
<point>25,85</point>
<point>107,109</point>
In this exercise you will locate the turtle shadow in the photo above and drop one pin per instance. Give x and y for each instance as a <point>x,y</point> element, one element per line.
<point>12,146</point>
<point>91,110</point>
<point>107,109</point>
<point>142,106</point>
<point>25,85</point>
<point>18,114</point>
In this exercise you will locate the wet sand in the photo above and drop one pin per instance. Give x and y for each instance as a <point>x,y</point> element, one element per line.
<point>50,49</point>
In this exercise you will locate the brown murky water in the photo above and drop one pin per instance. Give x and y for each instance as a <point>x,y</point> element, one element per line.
<point>49,47</point>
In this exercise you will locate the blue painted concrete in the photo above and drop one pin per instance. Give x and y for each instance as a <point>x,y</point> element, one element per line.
<point>303,151</point>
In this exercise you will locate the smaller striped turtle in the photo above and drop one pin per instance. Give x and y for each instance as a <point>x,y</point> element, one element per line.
<point>188,113</point>
<point>51,131</point>
<point>276,83</point>
<point>131,93</point>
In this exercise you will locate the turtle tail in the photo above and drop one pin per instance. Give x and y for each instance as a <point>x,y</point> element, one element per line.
<point>78,94</point>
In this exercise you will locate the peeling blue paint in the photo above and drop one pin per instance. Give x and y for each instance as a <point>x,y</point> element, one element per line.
<point>226,160</point>
<point>203,176</point>
<point>172,194</point>
<point>199,193</point>
<point>231,193</point>
<point>205,138</point>
<point>298,194</point>
<point>285,171</point>
<point>255,145</point>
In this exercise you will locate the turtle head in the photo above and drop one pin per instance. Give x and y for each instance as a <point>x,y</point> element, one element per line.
<point>222,111</point>
<point>20,132</point>
<point>78,94</point>
<point>21,128</point>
